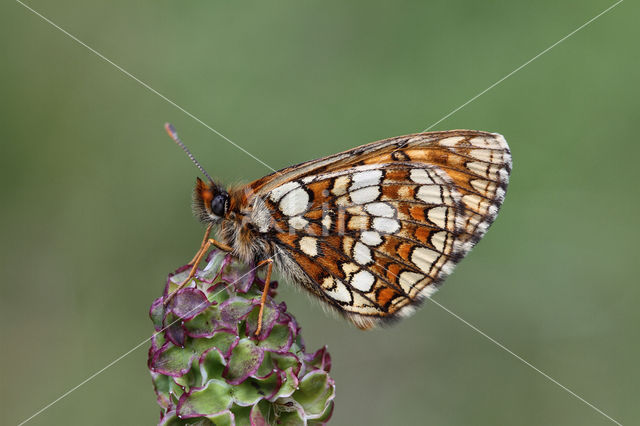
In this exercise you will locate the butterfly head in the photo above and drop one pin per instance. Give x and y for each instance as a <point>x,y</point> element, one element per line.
<point>210,201</point>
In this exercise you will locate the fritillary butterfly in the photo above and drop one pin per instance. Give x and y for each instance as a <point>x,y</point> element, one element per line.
<point>371,231</point>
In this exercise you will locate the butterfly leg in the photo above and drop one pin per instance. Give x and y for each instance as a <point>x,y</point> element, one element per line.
<point>196,260</point>
<point>265,292</point>
<point>204,241</point>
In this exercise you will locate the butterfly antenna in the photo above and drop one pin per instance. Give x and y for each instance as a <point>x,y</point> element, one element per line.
<point>171,131</point>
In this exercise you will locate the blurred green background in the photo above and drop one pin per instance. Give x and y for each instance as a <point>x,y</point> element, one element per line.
<point>96,198</point>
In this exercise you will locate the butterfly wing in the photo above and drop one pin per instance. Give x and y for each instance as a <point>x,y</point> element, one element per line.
<point>375,229</point>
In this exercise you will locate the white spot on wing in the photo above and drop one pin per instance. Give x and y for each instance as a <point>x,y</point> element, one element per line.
<point>424,258</point>
<point>475,203</point>
<point>385,225</point>
<point>430,194</point>
<point>482,154</point>
<point>438,239</point>
<point>365,195</point>
<point>438,216</point>
<point>380,209</point>
<point>295,202</point>
<point>371,238</point>
<point>450,141</point>
<point>363,281</point>
<point>479,168</point>
<point>363,305</point>
<point>309,246</point>
<point>480,141</point>
<point>326,221</point>
<point>408,279</point>
<point>420,176</point>
<point>340,185</point>
<point>362,254</point>
<point>366,178</point>
<point>480,185</point>
<point>298,222</point>
<point>278,192</point>
<point>340,292</point>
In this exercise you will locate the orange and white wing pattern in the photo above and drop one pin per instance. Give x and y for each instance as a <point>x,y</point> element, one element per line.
<point>374,230</point>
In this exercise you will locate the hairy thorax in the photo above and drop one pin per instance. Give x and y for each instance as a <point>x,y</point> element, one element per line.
<point>245,227</point>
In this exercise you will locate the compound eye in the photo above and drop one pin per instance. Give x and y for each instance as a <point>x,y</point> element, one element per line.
<point>219,204</point>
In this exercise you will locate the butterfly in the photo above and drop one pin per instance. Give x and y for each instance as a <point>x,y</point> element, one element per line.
<point>370,232</point>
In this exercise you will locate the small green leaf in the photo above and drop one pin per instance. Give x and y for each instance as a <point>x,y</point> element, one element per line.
<point>278,340</point>
<point>314,392</point>
<point>212,364</point>
<point>235,309</point>
<point>175,390</point>
<point>157,313</point>
<point>204,324</point>
<point>173,361</point>
<point>212,270</point>
<point>286,360</point>
<point>253,390</point>
<point>192,378</point>
<point>324,417</point>
<point>222,340</point>
<point>216,292</point>
<point>245,359</point>
<point>212,399</point>
<point>266,367</point>
<point>161,384</point>
<point>289,385</point>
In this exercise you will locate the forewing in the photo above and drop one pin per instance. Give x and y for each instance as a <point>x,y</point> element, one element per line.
<point>377,228</point>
